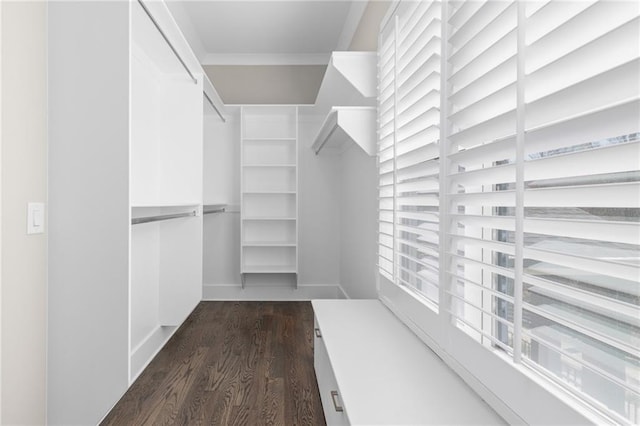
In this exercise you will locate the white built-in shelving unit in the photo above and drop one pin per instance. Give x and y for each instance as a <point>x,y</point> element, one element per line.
<point>269,190</point>
<point>165,179</point>
<point>347,98</point>
<point>126,101</point>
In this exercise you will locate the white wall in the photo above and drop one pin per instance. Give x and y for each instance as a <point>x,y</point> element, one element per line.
<point>358,223</point>
<point>24,156</point>
<point>319,209</point>
<point>221,186</point>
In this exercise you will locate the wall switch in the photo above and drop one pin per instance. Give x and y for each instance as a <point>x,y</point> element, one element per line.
<point>35,218</point>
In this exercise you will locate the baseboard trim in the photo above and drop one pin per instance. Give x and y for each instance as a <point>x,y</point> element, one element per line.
<point>342,294</point>
<point>272,293</point>
<point>147,350</point>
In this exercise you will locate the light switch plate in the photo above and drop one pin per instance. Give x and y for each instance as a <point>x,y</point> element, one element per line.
<point>35,218</point>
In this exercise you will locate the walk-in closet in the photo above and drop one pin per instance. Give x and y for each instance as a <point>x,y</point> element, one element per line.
<point>340,212</point>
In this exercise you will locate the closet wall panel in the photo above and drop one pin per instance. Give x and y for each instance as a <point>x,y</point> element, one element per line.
<point>88,222</point>
<point>125,120</point>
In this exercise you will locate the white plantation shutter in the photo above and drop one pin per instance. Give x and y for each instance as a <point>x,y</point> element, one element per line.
<point>581,322</point>
<point>413,41</point>
<point>540,217</point>
<point>482,174</point>
<point>386,151</point>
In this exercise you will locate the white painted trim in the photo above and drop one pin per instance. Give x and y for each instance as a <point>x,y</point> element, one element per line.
<point>146,347</point>
<point>342,293</point>
<point>351,24</point>
<point>1,241</point>
<point>211,292</point>
<point>147,350</point>
<point>265,59</point>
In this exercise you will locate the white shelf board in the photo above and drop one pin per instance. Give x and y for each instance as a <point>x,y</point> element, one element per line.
<point>350,80</point>
<point>269,269</point>
<point>268,165</point>
<point>345,125</point>
<point>269,139</point>
<point>268,218</point>
<point>269,192</point>
<point>268,244</point>
<point>163,205</point>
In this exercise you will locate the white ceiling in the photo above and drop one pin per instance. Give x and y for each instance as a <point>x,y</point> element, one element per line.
<point>225,32</point>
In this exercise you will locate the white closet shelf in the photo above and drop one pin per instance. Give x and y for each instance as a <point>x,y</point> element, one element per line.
<point>350,80</point>
<point>269,139</point>
<point>344,125</point>
<point>270,269</point>
<point>268,218</point>
<point>267,192</point>
<point>269,244</point>
<point>269,165</point>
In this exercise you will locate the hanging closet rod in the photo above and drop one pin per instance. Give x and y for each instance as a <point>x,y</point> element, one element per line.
<point>214,211</point>
<point>224,120</point>
<point>175,52</point>
<point>147,219</point>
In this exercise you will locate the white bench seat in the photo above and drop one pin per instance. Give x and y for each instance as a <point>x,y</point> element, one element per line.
<point>383,374</point>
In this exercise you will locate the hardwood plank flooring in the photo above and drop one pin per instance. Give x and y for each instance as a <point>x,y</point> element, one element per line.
<point>230,363</point>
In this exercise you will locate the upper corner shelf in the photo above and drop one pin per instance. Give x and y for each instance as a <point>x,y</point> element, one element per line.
<point>344,124</point>
<point>350,80</point>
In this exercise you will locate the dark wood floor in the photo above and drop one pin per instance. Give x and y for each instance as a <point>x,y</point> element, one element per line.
<point>231,363</point>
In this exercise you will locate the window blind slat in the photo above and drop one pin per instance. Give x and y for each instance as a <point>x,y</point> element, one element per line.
<point>422,216</point>
<point>594,302</point>
<point>586,264</point>
<point>623,342</point>
<point>492,80</point>
<point>607,159</point>
<point>489,24</point>
<point>499,52</point>
<point>480,154</point>
<point>495,198</point>
<point>609,88</point>
<point>617,232</point>
<point>421,89</point>
<point>594,126</point>
<point>551,16</point>
<point>490,175</point>
<point>459,16</point>
<point>477,19</point>
<point>622,195</point>
<point>581,29</point>
<point>494,128</point>
<point>416,156</point>
<point>483,243</point>
<point>603,54</point>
